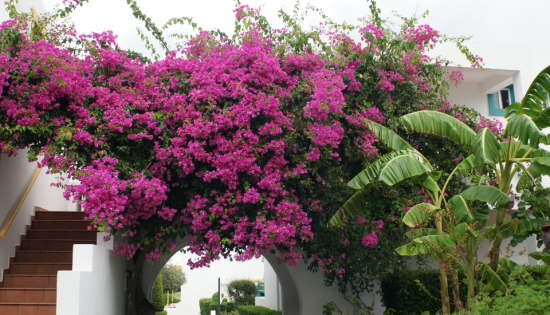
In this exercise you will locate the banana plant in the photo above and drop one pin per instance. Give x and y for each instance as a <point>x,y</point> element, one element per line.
<point>517,156</point>
<point>458,231</point>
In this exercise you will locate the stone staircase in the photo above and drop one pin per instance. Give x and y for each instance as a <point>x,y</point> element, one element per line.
<point>29,285</point>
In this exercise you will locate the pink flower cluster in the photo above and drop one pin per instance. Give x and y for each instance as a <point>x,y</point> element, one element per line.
<point>370,32</point>
<point>209,143</point>
<point>388,79</point>
<point>492,124</point>
<point>423,35</point>
<point>456,76</point>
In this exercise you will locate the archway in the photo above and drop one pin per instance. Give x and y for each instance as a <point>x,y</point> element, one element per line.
<point>290,300</point>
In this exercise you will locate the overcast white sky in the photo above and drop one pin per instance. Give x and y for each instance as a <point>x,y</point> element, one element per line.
<point>508,34</point>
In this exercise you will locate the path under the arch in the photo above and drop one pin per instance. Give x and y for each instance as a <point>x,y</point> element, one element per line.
<point>203,282</point>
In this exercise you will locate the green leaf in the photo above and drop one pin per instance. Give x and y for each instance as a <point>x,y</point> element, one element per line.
<point>438,242</point>
<point>534,171</point>
<point>470,162</point>
<point>492,278</point>
<point>400,168</point>
<point>482,214</point>
<point>459,231</point>
<point>351,209</point>
<point>542,160</point>
<point>428,244</point>
<point>429,183</point>
<point>412,249</point>
<point>372,171</point>
<point>460,209</point>
<point>440,124</point>
<point>488,194</point>
<point>414,233</point>
<point>542,256</point>
<point>486,146</point>
<point>534,101</point>
<point>418,214</point>
<point>523,128</point>
<point>388,137</point>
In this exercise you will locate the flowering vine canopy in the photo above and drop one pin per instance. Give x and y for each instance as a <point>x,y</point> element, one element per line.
<point>241,144</point>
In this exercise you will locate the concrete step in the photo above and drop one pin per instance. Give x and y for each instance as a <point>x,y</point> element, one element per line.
<point>26,295</point>
<point>59,215</point>
<point>60,225</point>
<point>37,268</point>
<point>43,256</point>
<point>27,308</point>
<point>52,244</point>
<point>29,281</point>
<point>58,234</point>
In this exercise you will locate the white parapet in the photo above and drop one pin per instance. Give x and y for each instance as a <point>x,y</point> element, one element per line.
<point>96,285</point>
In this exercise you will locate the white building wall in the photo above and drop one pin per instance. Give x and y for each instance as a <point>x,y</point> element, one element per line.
<point>313,293</point>
<point>471,95</point>
<point>272,287</point>
<point>96,284</point>
<point>15,172</point>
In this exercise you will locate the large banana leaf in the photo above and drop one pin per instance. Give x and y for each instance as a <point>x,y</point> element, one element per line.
<point>493,280</point>
<point>534,171</point>
<point>351,209</point>
<point>429,183</point>
<point>414,233</point>
<point>460,209</point>
<point>486,146</point>
<point>470,162</point>
<point>534,101</point>
<point>418,214</point>
<point>372,172</point>
<point>524,128</point>
<point>402,167</point>
<point>413,249</point>
<point>488,194</point>
<point>428,244</point>
<point>388,137</point>
<point>440,124</point>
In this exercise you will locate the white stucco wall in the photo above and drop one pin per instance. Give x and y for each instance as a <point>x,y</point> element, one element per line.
<point>95,285</point>
<point>15,172</point>
<point>272,289</point>
<point>313,293</point>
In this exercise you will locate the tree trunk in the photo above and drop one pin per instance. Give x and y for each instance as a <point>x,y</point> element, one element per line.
<point>136,300</point>
<point>459,306</point>
<point>471,282</point>
<point>444,290</point>
<point>494,253</point>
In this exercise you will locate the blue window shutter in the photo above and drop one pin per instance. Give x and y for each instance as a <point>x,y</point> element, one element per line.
<point>494,108</point>
<point>512,93</point>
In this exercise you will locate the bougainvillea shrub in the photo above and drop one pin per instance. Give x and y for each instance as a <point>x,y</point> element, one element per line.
<point>241,144</point>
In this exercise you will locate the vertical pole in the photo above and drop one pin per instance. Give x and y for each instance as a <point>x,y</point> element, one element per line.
<point>219,297</point>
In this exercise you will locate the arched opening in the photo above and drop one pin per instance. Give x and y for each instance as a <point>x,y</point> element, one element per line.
<point>289,298</point>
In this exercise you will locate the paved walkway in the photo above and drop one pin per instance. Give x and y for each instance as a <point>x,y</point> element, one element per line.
<point>179,309</point>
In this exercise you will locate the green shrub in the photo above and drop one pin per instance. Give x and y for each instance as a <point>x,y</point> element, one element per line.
<point>256,310</point>
<point>176,297</point>
<point>205,306</point>
<point>243,292</point>
<point>409,292</point>
<point>158,298</point>
<point>161,313</point>
<point>528,292</point>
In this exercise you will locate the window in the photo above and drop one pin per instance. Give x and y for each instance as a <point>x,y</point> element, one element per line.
<point>504,99</point>
<point>501,99</point>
